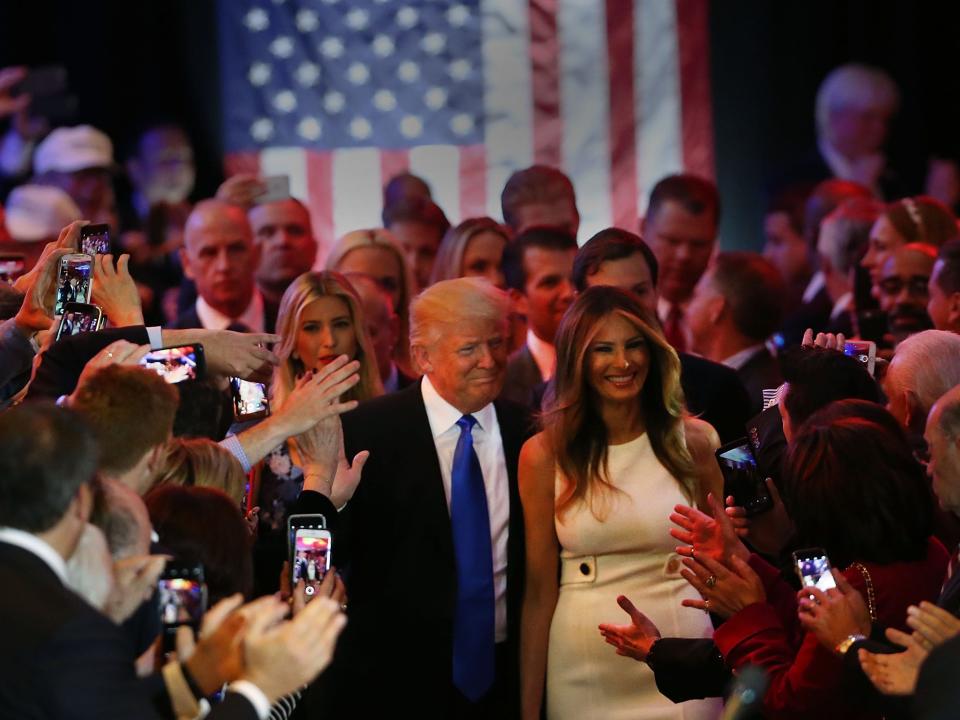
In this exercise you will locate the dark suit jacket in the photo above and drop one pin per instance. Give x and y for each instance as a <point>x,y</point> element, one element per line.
<point>61,659</point>
<point>189,319</point>
<point>715,393</point>
<point>761,372</point>
<point>523,378</point>
<point>937,696</point>
<point>814,314</point>
<point>394,542</point>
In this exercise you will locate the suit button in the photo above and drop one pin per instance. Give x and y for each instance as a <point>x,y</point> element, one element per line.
<point>584,568</point>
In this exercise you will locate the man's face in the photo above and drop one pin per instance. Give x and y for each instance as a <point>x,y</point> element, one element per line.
<point>548,291</point>
<point>561,214</point>
<point>858,131</point>
<point>702,313</point>
<point>419,242</point>
<point>467,364</point>
<point>943,309</point>
<point>944,465</point>
<point>683,243</point>
<point>164,170</point>
<point>902,292</point>
<point>786,248</point>
<point>287,246</point>
<point>631,274</point>
<point>219,255</point>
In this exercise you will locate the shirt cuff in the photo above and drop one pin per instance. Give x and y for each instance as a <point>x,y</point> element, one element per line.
<point>156,337</point>
<point>256,696</point>
<point>235,447</point>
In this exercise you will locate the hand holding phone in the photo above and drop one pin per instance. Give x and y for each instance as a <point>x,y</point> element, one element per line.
<point>79,318</point>
<point>250,400</point>
<point>176,364</point>
<point>813,568</point>
<point>182,595</point>
<point>74,282</point>
<point>310,548</point>
<point>864,351</point>
<point>742,479</point>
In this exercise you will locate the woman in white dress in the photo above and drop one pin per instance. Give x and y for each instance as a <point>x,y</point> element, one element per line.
<point>598,485</point>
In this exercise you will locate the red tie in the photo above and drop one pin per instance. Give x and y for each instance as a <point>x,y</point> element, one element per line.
<point>673,329</point>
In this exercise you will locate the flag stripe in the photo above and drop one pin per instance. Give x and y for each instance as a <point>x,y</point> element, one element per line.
<point>694,43</point>
<point>439,165</point>
<point>357,195</point>
<point>585,106</point>
<point>473,182</point>
<point>320,201</point>
<point>287,161</point>
<point>623,145</point>
<point>545,65</point>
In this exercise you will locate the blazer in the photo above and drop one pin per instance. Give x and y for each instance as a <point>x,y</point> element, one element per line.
<point>715,393</point>
<point>937,695</point>
<point>760,372</point>
<point>189,319</point>
<point>394,544</point>
<point>63,660</point>
<point>523,379</point>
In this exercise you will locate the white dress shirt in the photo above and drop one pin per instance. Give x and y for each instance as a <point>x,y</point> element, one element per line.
<point>544,355</point>
<point>488,445</point>
<point>738,360</point>
<point>213,319</point>
<point>34,545</point>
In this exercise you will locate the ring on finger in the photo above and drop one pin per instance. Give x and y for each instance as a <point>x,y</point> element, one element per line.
<point>711,581</point>
<point>706,606</point>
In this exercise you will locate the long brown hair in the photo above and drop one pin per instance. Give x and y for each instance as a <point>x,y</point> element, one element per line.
<point>574,428</point>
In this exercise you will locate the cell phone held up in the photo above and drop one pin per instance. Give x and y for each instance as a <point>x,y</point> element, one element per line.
<point>813,568</point>
<point>742,479</point>
<point>177,364</point>
<point>310,547</point>
<point>250,400</point>
<point>95,239</point>
<point>74,280</point>
<point>79,318</point>
<point>182,599</point>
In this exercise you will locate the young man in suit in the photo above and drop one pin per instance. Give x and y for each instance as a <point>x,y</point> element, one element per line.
<point>432,540</point>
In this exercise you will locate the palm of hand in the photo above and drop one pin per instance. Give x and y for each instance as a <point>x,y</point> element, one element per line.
<point>894,674</point>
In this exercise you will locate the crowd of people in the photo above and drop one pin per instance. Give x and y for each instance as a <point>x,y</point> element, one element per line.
<point>478,470</point>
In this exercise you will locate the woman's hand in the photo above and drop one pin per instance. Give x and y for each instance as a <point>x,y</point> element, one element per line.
<point>770,531</point>
<point>633,640</point>
<point>725,590</point>
<point>932,625</point>
<point>894,674</point>
<point>115,291</point>
<point>835,614</point>
<point>705,535</point>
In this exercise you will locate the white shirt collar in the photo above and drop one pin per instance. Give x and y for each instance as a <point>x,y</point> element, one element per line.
<point>544,354</point>
<point>442,415</point>
<point>34,545</point>
<point>843,303</point>
<point>816,284</point>
<point>213,319</point>
<point>738,360</point>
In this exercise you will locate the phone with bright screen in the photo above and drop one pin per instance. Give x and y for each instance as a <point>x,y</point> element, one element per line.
<point>742,479</point>
<point>79,318</point>
<point>74,280</point>
<point>182,599</point>
<point>250,399</point>
<point>310,547</point>
<point>176,364</point>
<point>813,568</point>
<point>864,351</point>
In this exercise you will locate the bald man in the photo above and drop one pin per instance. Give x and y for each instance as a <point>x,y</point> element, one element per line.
<point>221,257</point>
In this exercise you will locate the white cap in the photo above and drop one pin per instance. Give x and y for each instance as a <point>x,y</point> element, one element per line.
<point>37,212</point>
<point>68,149</point>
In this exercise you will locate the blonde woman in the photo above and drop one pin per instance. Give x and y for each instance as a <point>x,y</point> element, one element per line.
<point>598,486</point>
<point>202,463</point>
<point>377,254</point>
<point>474,248</point>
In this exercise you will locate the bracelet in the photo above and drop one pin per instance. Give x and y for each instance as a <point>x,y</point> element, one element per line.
<point>844,645</point>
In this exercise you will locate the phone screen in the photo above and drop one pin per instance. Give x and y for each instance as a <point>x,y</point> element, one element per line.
<point>73,282</point>
<point>95,239</point>
<point>249,399</point>
<point>814,571</point>
<point>742,479</point>
<point>863,351</point>
<point>175,364</point>
<point>181,601</point>
<point>78,319</point>
<point>276,187</point>
<point>311,557</point>
<point>11,266</point>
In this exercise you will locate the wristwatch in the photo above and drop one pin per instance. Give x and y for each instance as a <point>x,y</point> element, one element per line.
<point>844,645</point>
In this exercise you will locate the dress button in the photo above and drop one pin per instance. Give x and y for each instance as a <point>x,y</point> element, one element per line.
<point>673,565</point>
<point>584,568</point>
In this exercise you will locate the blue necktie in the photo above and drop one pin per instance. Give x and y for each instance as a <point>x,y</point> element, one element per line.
<point>473,616</point>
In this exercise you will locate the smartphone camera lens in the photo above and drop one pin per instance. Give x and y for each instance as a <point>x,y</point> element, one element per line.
<point>309,590</point>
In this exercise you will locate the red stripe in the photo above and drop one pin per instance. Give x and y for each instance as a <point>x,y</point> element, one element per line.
<point>696,106</point>
<point>623,140</point>
<point>473,181</point>
<point>393,162</point>
<point>545,69</point>
<point>247,161</point>
<point>320,200</point>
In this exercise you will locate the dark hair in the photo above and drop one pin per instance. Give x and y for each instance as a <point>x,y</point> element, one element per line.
<point>922,219</point>
<point>818,377</point>
<point>203,525</point>
<point>546,238</point>
<point>754,292</point>
<point>204,411</point>
<point>610,244</point>
<point>537,184</point>
<point>404,185</point>
<point>853,486</point>
<point>46,454</point>
<point>130,410</point>
<point>948,279</point>
<point>416,209</point>
<point>696,195</point>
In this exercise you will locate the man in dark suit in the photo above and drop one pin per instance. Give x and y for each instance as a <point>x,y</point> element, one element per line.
<point>735,307</point>
<point>620,258</point>
<point>59,657</point>
<point>538,267</point>
<point>406,536</point>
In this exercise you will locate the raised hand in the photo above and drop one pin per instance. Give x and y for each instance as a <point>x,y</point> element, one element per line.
<point>835,614</point>
<point>241,189</point>
<point>134,581</point>
<point>115,291</point>
<point>894,674</point>
<point>705,535</point>
<point>633,640</point>
<point>36,311</point>
<point>932,625</point>
<point>726,590</point>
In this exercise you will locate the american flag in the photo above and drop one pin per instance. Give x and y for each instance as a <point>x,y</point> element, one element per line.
<point>340,95</point>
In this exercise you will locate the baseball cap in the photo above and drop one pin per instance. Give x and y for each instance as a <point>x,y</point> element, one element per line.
<point>37,212</point>
<point>68,149</point>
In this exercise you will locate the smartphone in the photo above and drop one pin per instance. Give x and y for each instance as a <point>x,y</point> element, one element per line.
<point>95,239</point>
<point>863,350</point>
<point>741,477</point>
<point>277,188</point>
<point>311,558</point>
<point>250,399</point>
<point>79,318</point>
<point>11,266</point>
<point>74,281</point>
<point>813,568</point>
<point>177,364</point>
<point>182,596</point>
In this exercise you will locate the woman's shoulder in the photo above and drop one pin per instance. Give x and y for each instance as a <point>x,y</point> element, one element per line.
<point>702,439</point>
<point>537,451</point>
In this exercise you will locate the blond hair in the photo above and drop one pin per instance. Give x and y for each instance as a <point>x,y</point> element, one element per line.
<point>448,264</point>
<point>927,365</point>
<point>203,463</point>
<point>450,302</point>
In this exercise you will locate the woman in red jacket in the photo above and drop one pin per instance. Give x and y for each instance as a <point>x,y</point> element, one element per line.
<point>852,487</point>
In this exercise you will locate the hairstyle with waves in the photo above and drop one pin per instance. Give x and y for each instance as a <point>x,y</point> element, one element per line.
<point>449,262</point>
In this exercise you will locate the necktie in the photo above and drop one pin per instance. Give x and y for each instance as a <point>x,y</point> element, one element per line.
<point>673,329</point>
<point>473,616</point>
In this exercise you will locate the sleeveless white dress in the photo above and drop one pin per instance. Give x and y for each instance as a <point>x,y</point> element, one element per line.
<point>629,553</point>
